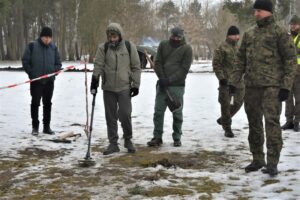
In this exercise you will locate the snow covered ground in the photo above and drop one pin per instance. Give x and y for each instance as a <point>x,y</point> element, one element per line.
<point>39,174</point>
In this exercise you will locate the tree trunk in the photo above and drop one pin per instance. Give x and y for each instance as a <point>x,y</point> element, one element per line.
<point>2,51</point>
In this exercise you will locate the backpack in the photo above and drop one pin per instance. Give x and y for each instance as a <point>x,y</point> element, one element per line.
<point>127,44</point>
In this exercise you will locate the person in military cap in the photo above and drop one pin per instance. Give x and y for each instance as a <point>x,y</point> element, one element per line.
<point>223,65</point>
<point>292,110</point>
<point>267,60</point>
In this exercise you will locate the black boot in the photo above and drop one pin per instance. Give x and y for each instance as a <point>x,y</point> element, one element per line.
<point>271,170</point>
<point>296,126</point>
<point>47,130</point>
<point>255,166</point>
<point>155,142</point>
<point>128,144</point>
<point>177,143</point>
<point>219,121</point>
<point>288,125</point>
<point>228,133</point>
<point>35,119</point>
<point>112,148</point>
<point>35,131</point>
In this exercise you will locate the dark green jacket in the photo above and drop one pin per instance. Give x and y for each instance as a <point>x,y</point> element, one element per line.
<point>118,69</point>
<point>40,60</point>
<point>224,60</point>
<point>173,63</point>
<point>267,57</point>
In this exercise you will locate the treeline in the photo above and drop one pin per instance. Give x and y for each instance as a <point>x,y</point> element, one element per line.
<point>79,25</point>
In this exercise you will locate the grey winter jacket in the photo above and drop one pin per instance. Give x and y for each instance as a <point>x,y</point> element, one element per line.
<point>118,69</point>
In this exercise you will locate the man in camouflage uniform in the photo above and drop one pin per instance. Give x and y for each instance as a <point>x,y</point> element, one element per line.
<point>292,111</point>
<point>267,60</point>
<point>223,65</point>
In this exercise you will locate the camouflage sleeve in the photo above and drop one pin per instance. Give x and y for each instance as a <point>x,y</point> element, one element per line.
<point>99,62</point>
<point>217,63</point>
<point>159,62</point>
<point>239,64</point>
<point>287,52</point>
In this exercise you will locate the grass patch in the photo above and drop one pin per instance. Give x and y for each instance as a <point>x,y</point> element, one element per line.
<point>283,190</point>
<point>145,157</point>
<point>159,191</point>
<point>270,182</point>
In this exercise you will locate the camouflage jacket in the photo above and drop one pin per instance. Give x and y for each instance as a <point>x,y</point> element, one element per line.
<point>223,60</point>
<point>267,57</point>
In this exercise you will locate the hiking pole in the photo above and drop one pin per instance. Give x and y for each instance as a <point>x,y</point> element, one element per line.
<point>88,161</point>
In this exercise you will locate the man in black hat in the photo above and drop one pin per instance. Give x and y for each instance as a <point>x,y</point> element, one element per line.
<point>41,57</point>
<point>267,61</point>
<point>223,65</point>
<point>172,63</point>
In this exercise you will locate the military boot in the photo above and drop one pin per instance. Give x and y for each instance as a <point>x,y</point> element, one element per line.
<point>228,132</point>
<point>288,125</point>
<point>155,142</point>
<point>255,166</point>
<point>48,130</point>
<point>128,144</point>
<point>296,126</point>
<point>271,170</point>
<point>112,148</point>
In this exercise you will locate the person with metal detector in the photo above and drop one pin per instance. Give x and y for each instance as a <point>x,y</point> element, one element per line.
<point>172,63</point>
<point>118,64</point>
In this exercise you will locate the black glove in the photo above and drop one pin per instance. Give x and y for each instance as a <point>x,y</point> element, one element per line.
<point>94,85</point>
<point>164,82</point>
<point>223,82</point>
<point>232,89</point>
<point>283,94</point>
<point>134,92</point>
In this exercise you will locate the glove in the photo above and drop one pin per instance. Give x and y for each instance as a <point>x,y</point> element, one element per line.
<point>232,89</point>
<point>164,82</point>
<point>94,85</point>
<point>223,82</point>
<point>134,92</point>
<point>283,94</point>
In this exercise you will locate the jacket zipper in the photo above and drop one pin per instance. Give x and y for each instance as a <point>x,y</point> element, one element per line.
<point>116,69</point>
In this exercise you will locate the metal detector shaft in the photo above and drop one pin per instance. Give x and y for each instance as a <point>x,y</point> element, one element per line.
<point>88,156</point>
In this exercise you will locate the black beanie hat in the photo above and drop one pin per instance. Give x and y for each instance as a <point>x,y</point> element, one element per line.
<point>46,31</point>
<point>177,32</point>
<point>263,5</point>
<point>233,30</point>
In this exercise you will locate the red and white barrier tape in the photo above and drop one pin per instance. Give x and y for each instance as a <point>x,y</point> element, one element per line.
<point>39,78</point>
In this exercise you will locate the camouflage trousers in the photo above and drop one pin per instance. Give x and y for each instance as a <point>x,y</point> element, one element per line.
<point>259,103</point>
<point>292,110</point>
<point>159,112</point>
<point>227,110</point>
